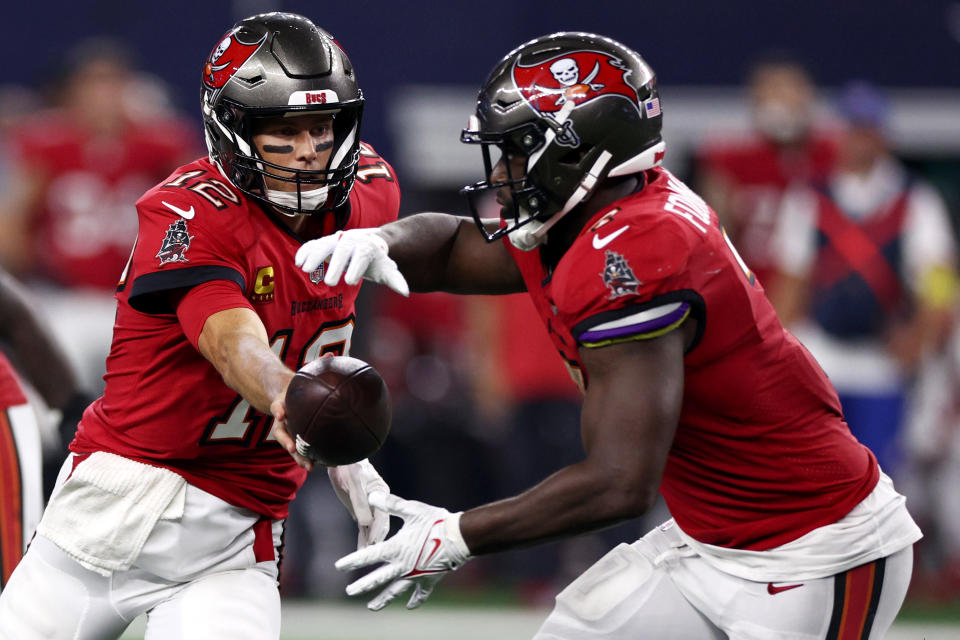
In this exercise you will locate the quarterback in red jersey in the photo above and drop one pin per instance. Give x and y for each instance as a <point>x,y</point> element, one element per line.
<point>783,524</point>
<point>173,500</point>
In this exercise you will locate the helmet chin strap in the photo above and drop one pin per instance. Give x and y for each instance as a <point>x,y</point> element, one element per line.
<point>527,237</point>
<point>534,233</point>
<point>308,200</point>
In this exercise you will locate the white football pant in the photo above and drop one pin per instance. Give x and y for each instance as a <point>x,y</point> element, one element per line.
<point>196,577</point>
<point>658,588</point>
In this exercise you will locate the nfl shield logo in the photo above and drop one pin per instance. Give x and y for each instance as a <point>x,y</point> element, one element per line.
<point>316,276</point>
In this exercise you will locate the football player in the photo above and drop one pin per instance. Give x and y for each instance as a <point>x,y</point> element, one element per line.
<point>783,524</point>
<point>173,500</point>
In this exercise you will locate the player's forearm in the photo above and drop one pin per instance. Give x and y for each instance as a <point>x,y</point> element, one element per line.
<point>238,349</point>
<point>421,245</point>
<point>579,498</point>
<point>256,373</point>
<point>442,252</point>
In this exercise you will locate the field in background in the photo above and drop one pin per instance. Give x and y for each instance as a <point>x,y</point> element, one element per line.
<point>306,620</point>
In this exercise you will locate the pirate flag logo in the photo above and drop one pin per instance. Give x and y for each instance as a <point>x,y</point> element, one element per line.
<point>618,276</point>
<point>175,243</point>
<point>226,59</point>
<point>556,86</point>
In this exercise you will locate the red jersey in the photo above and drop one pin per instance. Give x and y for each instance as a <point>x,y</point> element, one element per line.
<point>164,403</point>
<point>84,224</point>
<point>758,172</point>
<point>761,454</point>
<point>11,394</point>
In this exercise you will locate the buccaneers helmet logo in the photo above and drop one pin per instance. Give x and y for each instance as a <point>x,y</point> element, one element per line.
<point>175,243</point>
<point>575,77</point>
<point>226,59</point>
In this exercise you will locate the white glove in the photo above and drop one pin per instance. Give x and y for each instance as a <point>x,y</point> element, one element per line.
<point>427,547</point>
<point>362,252</point>
<point>353,484</point>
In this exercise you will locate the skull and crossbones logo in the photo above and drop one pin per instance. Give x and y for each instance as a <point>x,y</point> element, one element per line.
<point>566,71</point>
<point>221,48</point>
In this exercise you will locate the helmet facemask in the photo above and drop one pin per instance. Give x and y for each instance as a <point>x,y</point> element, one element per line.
<point>248,168</point>
<point>528,201</point>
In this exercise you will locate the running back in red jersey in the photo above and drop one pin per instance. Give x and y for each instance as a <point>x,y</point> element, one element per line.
<point>640,268</point>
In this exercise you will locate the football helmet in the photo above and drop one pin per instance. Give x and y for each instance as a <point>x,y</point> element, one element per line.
<point>580,107</point>
<point>275,64</point>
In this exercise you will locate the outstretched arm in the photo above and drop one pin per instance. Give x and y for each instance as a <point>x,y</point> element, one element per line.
<point>441,252</point>
<point>434,252</point>
<point>235,342</point>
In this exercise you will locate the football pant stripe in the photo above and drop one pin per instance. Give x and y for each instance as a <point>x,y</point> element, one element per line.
<point>856,596</point>
<point>11,515</point>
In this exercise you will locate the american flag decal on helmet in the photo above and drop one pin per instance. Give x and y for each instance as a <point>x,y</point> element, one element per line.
<point>652,108</point>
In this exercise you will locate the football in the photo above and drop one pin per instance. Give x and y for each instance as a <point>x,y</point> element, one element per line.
<point>338,410</point>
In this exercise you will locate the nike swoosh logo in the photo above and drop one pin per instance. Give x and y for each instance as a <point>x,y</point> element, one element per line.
<point>774,590</point>
<point>600,243</point>
<point>186,213</point>
<point>436,545</point>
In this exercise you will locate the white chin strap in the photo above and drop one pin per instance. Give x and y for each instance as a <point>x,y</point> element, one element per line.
<point>533,234</point>
<point>309,200</point>
<point>529,236</point>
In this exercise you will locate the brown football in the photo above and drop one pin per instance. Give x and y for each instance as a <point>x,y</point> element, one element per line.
<point>338,410</point>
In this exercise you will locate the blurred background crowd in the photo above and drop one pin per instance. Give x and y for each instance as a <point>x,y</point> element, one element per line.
<point>826,137</point>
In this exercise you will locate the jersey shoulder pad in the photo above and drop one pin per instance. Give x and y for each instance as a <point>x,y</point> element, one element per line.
<point>634,264</point>
<point>194,191</point>
<point>375,199</point>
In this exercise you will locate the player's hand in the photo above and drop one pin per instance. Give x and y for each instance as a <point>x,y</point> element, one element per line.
<point>361,252</point>
<point>353,484</point>
<point>427,547</point>
<point>279,410</point>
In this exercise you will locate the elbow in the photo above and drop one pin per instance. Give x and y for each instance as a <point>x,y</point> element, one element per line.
<point>627,495</point>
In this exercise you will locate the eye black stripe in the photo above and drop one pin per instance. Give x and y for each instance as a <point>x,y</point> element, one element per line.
<point>271,148</point>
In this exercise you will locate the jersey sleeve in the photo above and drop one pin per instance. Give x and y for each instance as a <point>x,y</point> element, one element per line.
<point>182,241</point>
<point>638,290</point>
<point>204,300</point>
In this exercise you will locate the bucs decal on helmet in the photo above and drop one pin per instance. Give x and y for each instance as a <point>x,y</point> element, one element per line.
<point>579,76</point>
<point>175,243</point>
<point>618,276</point>
<point>226,59</point>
